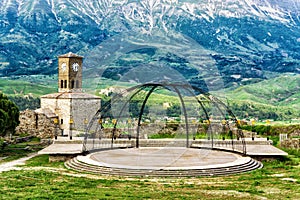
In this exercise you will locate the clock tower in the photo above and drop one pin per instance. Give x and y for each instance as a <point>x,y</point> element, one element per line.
<point>70,73</point>
<point>70,106</point>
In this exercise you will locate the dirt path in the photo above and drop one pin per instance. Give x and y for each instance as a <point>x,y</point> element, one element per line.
<point>13,165</point>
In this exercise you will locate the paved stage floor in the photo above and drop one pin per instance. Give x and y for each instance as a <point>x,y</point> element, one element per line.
<point>163,158</point>
<point>66,146</point>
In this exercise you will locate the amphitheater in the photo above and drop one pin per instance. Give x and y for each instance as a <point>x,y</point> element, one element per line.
<point>124,145</point>
<point>169,161</point>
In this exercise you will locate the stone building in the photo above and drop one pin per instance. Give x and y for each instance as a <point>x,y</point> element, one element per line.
<point>70,108</point>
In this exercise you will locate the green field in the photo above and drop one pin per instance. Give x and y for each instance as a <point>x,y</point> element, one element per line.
<point>33,86</point>
<point>15,151</point>
<point>39,179</point>
<point>276,98</point>
<point>279,91</point>
<point>279,179</point>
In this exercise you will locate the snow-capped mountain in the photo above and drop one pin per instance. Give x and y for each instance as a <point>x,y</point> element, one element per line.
<point>244,39</point>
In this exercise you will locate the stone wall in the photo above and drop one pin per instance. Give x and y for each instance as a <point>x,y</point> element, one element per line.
<point>291,130</point>
<point>291,143</point>
<point>60,158</point>
<point>147,130</point>
<point>36,124</point>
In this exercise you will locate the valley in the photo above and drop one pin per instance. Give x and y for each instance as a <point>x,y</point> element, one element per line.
<point>276,99</point>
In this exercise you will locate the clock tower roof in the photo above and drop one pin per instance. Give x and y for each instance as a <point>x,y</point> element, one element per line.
<point>70,55</point>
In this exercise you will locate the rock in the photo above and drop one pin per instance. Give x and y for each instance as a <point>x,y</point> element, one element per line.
<point>291,143</point>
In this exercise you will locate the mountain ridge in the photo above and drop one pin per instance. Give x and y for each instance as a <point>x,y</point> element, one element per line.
<point>246,38</point>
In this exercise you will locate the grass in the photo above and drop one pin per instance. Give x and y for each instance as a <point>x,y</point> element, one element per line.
<point>276,91</point>
<point>43,160</point>
<point>279,179</point>
<point>191,136</point>
<point>19,150</point>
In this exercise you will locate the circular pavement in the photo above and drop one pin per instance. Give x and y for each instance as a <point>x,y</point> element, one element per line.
<point>163,158</point>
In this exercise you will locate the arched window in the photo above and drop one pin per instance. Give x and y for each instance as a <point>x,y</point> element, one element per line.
<point>77,84</point>
<point>61,121</point>
<point>72,84</point>
<point>65,86</point>
<point>61,84</point>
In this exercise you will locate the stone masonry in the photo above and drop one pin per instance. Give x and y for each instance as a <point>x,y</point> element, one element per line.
<point>75,106</point>
<point>36,124</point>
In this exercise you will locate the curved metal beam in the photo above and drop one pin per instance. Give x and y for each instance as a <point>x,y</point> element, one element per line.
<point>99,112</point>
<point>185,116</point>
<point>121,111</point>
<point>205,111</point>
<point>141,114</point>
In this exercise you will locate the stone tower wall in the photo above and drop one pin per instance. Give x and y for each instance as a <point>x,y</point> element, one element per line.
<point>83,109</point>
<point>70,106</point>
<point>61,107</point>
<point>79,108</point>
<point>69,74</point>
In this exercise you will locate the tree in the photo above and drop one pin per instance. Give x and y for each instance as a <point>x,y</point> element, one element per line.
<point>174,111</point>
<point>24,103</point>
<point>135,109</point>
<point>9,115</point>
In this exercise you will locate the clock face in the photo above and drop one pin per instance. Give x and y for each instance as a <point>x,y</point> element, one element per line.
<point>63,67</point>
<point>75,67</point>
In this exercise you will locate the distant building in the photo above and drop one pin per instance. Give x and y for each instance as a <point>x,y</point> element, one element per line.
<point>70,108</point>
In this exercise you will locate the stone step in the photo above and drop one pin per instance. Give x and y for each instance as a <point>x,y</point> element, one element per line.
<point>77,165</point>
<point>235,169</point>
<point>238,167</point>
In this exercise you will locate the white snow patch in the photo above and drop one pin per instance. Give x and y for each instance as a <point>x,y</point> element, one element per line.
<point>236,76</point>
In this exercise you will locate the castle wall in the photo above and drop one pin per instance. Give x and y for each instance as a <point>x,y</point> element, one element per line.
<point>36,124</point>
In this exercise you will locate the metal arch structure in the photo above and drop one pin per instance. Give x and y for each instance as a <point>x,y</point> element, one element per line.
<point>226,114</point>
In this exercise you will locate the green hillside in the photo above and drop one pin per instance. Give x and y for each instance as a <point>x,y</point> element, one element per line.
<point>30,85</point>
<point>283,90</point>
<point>25,91</point>
<point>276,98</point>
